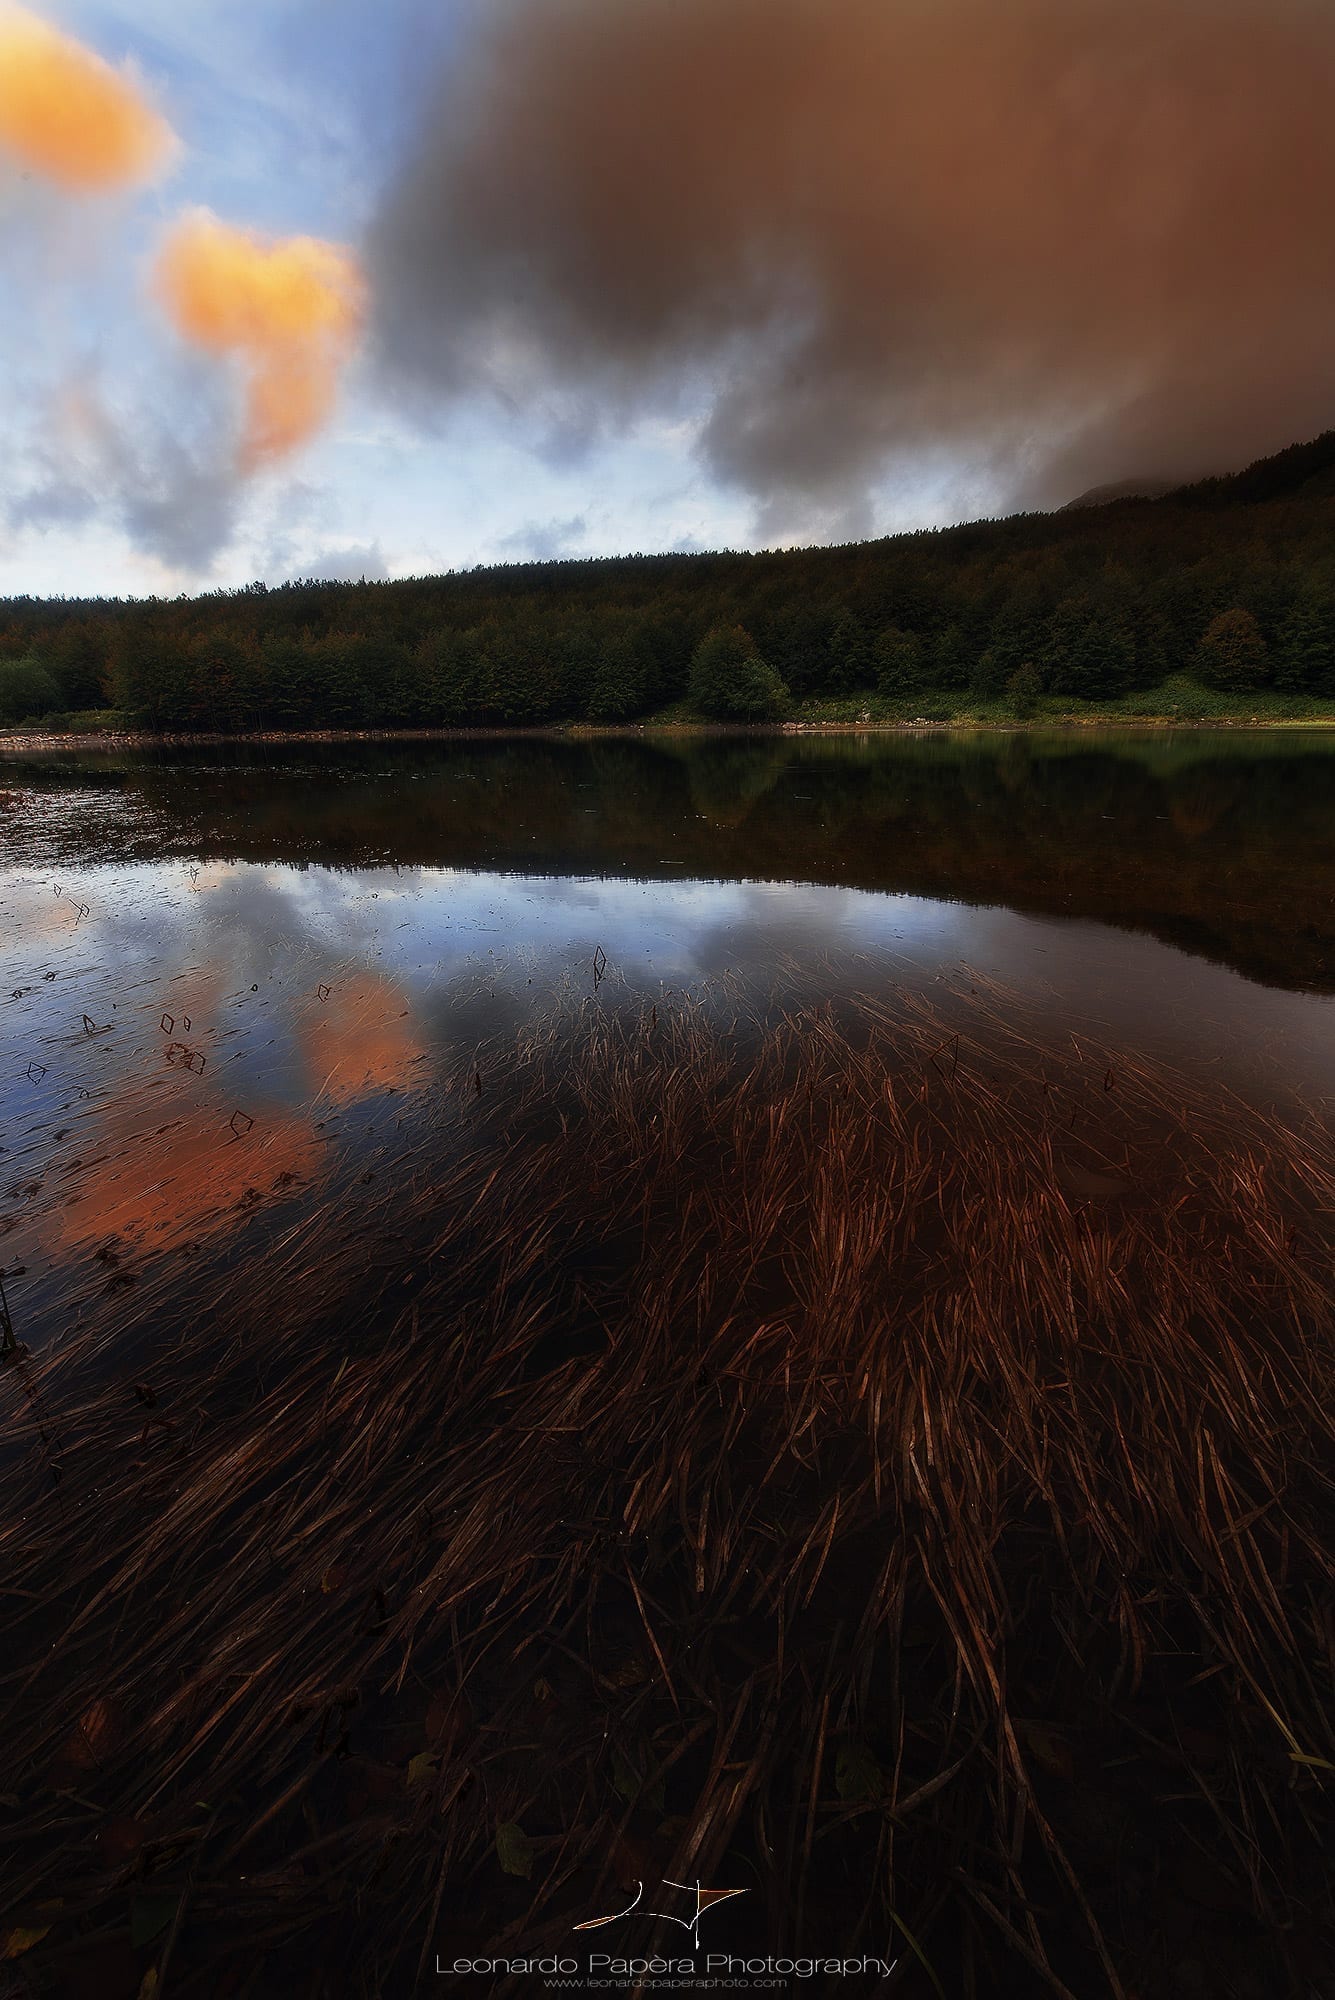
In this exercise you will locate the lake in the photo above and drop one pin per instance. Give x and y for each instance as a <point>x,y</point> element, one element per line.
<point>218,962</point>
<point>619,1309</point>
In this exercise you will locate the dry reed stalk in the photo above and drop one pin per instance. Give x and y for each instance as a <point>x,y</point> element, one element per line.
<point>841,1469</point>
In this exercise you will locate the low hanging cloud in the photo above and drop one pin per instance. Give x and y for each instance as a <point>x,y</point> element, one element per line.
<point>1067,240</point>
<point>357,563</point>
<point>288,312</point>
<point>161,476</point>
<point>70,117</point>
<point>545,541</point>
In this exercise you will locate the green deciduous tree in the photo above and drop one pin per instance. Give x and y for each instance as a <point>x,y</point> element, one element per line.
<point>851,662</point>
<point>1232,655</point>
<point>952,658</point>
<point>1022,691</point>
<point>28,688</point>
<point>987,681</point>
<point>899,663</point>
<point>730,682</point>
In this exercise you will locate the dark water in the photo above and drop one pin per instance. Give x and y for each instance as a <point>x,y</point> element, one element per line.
<point>230,979</point>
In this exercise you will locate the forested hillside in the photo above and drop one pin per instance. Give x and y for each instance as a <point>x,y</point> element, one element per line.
<point>1230,582</point>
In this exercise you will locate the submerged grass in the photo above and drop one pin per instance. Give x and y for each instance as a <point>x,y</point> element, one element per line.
<point>873,1457</point>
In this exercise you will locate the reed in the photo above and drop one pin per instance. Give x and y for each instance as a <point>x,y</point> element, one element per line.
<point>874,1456</point>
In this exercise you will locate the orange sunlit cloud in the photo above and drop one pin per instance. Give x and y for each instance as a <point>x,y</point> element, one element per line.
<point>288,310</point>
<point>69,116</point>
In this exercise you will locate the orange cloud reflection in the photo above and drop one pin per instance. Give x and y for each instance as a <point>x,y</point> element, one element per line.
<point>188,1182</point>
<point>361,1040</point>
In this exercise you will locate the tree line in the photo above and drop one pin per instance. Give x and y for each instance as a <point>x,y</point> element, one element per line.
<point>1231,582</point>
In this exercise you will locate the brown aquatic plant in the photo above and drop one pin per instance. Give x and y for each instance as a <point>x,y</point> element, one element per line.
<point>765,1446</point>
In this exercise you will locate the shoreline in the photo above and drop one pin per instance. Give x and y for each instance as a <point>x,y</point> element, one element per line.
<point>15,742</point>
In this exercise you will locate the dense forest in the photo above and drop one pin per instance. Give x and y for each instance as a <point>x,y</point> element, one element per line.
<point>1230,582</point>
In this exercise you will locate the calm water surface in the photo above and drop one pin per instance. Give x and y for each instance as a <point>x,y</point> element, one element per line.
<point>234,982</point>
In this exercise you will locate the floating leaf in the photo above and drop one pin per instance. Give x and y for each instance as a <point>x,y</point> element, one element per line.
<point>22,1937</point>
<point>120,1838</point>
<point>857,1775</point>
<point>628,1774</point>
<point>630,1670</point>
<point>423,1766</point>
<point>88,1744</point>
<point>632,1862</point>
<point>149,1918</point>
<point>1048,1748</point>
<point>625,1778</point>
<point>20,1940</point>
<point>514,1849</point>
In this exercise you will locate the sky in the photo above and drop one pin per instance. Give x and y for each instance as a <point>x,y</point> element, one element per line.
<point>395,289</point>
<point>291,117</point>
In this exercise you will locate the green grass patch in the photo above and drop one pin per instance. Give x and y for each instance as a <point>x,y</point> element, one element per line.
<point>1177,699</point>
<point>81,722</point>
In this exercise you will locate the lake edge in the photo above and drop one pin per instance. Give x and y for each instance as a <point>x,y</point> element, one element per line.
<point>16,742</point>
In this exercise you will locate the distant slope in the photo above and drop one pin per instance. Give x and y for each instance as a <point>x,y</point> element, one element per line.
<point>1302,471</point>
<point>1090,604</point>
<point>1121,489</point>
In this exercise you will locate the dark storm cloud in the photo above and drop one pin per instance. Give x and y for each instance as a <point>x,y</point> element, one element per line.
<point>1070,240</point>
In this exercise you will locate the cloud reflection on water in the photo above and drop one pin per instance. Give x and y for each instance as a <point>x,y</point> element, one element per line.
<point>313,993</point>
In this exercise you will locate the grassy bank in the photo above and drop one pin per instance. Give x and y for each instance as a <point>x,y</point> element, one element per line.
<point>878,1461</point>
<point>1177,702</point>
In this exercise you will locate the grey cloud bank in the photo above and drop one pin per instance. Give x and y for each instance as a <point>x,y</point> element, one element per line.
<point>1071,240</point>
